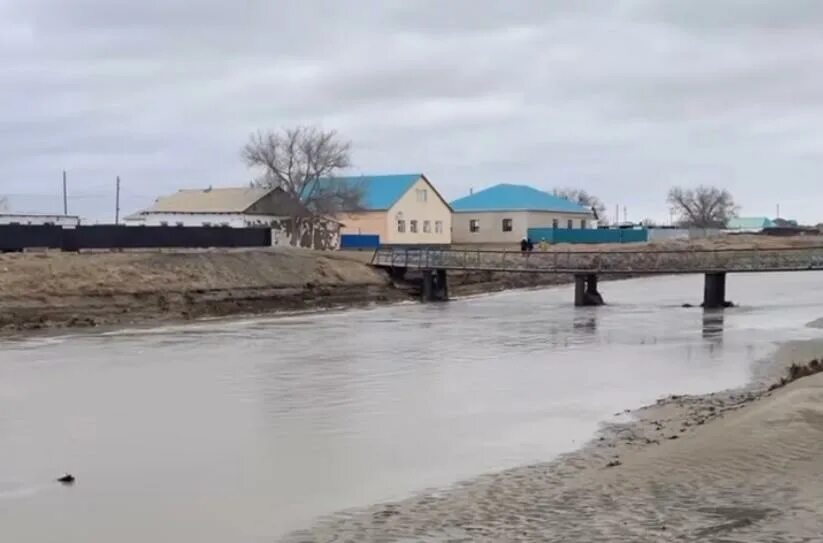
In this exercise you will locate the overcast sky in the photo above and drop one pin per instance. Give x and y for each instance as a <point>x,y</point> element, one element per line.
<point>621,98</point>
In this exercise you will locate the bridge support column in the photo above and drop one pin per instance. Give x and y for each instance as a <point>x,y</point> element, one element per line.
<point>442,284</point>
<point>435,286</point>
<point>585,291</point>
<point>714,291</point>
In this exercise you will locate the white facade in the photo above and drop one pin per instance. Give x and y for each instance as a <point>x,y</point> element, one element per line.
<point>511,226</point>
<point>232,220</point>
<point>35,218</point>
<point>419,217</point>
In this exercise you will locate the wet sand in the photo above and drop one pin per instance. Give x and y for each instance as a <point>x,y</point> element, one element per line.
<point>742,466</point>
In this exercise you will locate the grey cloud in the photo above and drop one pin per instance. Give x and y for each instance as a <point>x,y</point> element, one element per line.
<point>621,98</point>
<point>729,14</point>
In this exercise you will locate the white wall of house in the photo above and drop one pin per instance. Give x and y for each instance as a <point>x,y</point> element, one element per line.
<point>493,226</point>
<point>232,220</point>
<point>419,217</point>
<point>35,218</point>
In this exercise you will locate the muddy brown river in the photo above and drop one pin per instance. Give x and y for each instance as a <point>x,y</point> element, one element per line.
<point>245,430</point>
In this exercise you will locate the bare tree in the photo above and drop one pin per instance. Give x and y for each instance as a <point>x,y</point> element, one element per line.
<point>702,207</point>
<point>303,161</point>
<point>583,199</point>
<point>4,204</point>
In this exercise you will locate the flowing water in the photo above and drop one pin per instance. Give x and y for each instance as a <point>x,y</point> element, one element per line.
<point>244,430</point>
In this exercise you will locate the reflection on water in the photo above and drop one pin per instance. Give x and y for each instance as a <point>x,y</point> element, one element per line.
<point>243,430</point>
<point>713,324</point>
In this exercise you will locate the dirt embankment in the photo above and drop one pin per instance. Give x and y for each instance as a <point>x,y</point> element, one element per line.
<point>62,289</point>
<point>52,290</point>
<point>55,290</point>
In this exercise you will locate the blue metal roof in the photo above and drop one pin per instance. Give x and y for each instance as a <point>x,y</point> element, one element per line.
<point>507,197</point>
<point>380,192</point>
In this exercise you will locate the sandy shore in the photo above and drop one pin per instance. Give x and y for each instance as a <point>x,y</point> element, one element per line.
<point>734,466</point>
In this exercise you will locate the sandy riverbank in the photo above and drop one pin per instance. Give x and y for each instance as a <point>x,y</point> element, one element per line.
<point>741,466</point>
<point>58,290</point>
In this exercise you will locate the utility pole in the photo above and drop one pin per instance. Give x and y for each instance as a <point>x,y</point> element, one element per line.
<point>65,196</point>
<point>117,203</point>
<point>625,214</point>
<point>616,214</point>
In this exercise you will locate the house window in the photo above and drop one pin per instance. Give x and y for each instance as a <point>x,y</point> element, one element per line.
<point>570,224</point>
<point>401,226</point>
<point>507,225</point>
<point>438,227</point>
<point>555,224</point>
<point>583,223</point>
<point>474,225</point>
<point>422,195</point>
<point>427,227</point>
<point>413,226</point>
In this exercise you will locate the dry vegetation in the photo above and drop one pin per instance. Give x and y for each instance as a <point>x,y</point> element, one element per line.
<point>62,289</point>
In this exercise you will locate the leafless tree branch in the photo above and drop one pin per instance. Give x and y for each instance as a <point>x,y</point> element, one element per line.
<point>583,199</point>
<point>296,160</point>
<point>702,207</point>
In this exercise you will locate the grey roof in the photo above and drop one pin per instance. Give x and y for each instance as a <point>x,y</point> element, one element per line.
<point>221,200</point>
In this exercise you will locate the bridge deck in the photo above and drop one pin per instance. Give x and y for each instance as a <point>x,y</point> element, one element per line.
<point>614,262</point>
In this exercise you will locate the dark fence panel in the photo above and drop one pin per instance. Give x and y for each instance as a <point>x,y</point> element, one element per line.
<point>15,238</point>
<point>157,237</point>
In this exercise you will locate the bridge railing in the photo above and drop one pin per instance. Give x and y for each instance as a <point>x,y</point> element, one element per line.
<point>625,262</point>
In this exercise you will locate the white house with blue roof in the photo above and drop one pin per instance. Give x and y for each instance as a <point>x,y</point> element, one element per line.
<point>504,213</point>
<point>402,209</point>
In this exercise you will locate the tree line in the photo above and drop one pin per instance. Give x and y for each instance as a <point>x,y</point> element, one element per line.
<point>295,159</point>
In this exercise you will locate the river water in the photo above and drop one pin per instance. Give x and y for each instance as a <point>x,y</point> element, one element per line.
<point>243,430</point>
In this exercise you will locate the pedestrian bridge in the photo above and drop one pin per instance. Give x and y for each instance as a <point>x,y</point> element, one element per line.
<point>586,266</point>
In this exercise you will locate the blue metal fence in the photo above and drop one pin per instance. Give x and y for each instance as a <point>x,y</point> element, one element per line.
<point>359,241</point>
<point>600,235</point>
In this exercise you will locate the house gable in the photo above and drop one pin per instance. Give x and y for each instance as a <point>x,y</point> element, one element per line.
<point>276,202</point>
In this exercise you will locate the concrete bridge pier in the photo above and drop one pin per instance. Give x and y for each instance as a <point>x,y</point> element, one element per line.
<point>585,291</point>
<point>714,291</point>
<point>435,286</point>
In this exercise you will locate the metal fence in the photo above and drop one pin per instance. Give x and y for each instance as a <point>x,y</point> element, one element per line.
<point>589,235</point>
<point>21,237</point>
<point>615,262</point>
<point>359,241</point>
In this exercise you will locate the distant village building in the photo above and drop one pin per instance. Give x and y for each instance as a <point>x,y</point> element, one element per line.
<point>504,213</point>
<point>239,207</point>
<point>749,224</point>
<point>401,209</point>
<point>70,221</point>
